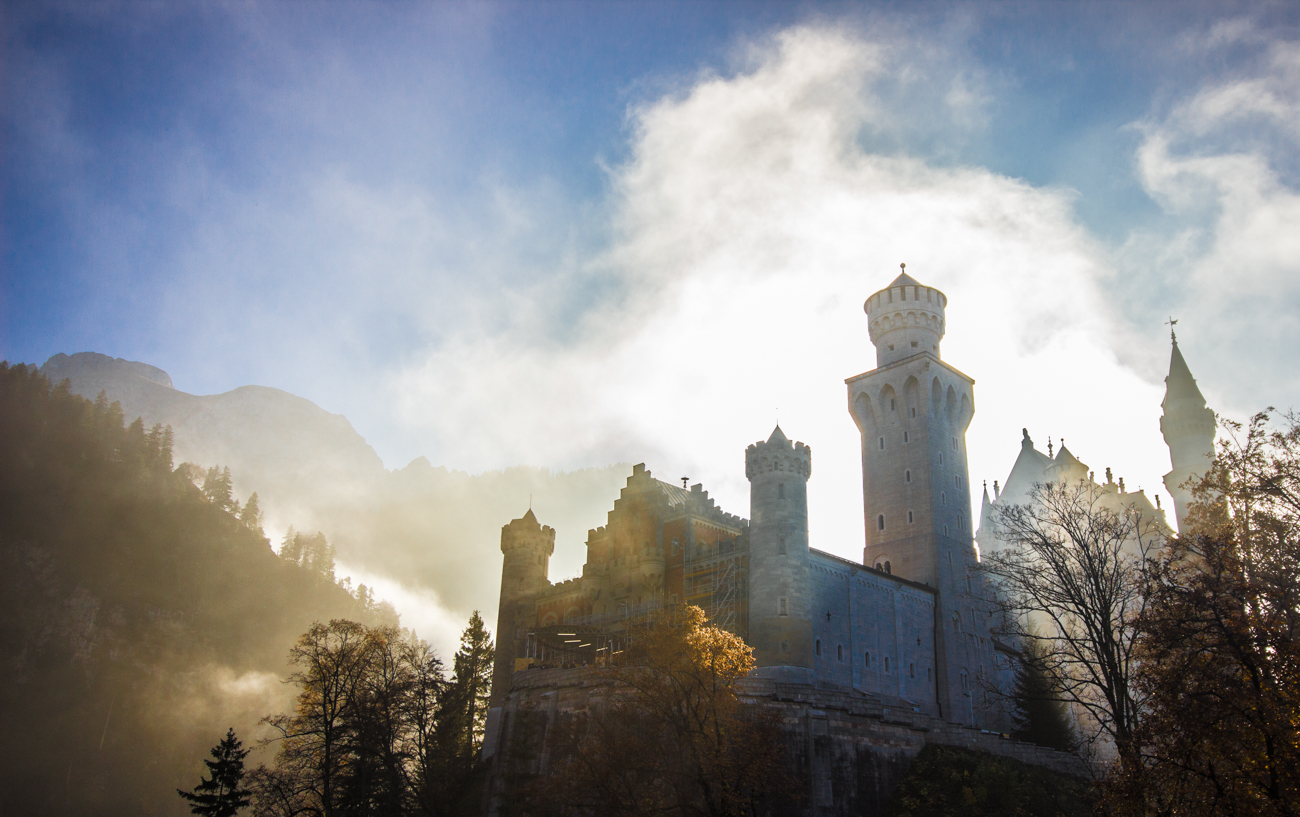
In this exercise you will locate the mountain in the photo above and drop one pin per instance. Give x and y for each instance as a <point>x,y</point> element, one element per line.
<point>139,617</point>
<point>426,527</point>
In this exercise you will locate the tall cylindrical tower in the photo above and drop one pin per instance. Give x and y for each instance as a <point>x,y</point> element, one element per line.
<point>527,546</point>
<point>780,604</point>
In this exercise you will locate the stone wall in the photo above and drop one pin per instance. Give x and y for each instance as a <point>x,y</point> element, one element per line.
<point>849,749</point>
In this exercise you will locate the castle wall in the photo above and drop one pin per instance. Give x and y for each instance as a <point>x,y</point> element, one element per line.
<point>849,750</point>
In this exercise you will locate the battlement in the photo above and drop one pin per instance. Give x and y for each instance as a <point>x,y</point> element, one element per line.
<point>905,318</point>
<point>778,454</point>
<point>526,533</point>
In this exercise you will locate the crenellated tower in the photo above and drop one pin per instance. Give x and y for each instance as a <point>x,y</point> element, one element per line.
<point>913,411</point>
<point>780,613</point>
<point>1188,428</point>
<point>527,546</point>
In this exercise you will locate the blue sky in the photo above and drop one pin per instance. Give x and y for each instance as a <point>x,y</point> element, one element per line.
<point>570,234</point>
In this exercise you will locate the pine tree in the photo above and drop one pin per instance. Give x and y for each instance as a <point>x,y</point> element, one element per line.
<point>251,515</point>
<point>291,546</point>
<point>1041,716</point>
<point>473,680</point>
<point>221,795</point>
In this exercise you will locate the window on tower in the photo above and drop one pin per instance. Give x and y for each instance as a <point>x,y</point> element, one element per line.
<point>943,497</point>
<point>818,646</point>
<point>781,549</point>
<point>905,437</point>
<point>913,412</point>
<point>907,476</point>
<point>909,517</point>
<point>880,522</point>
<point>781,608</point>
<point>882,443</point>
<point>839,652</point>
<point>961,522</point>
<point>780,490</point>
<point>892,404</point>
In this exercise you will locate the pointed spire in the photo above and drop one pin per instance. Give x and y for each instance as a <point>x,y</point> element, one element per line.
<point>1180,385</point>
<point>528,516</point>
<point>778,436</point>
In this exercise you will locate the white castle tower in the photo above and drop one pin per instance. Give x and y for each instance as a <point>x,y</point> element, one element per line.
<point>1188,428</point>
<point>913,410</point>
<point>780,613</point>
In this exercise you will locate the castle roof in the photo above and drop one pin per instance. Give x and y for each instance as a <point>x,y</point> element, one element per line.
<point>1180,385</point>
<point>905,280</point>
<point>778,436</point>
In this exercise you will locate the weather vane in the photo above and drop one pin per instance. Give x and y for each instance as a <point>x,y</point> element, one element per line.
<point>1171,323</point>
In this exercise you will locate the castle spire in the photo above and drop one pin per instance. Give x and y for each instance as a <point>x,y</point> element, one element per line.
<point>1188,428</point>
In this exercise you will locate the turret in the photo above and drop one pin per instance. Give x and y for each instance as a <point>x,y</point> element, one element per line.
<point>1188,428</point>
<point>527,546</point>
<point>905,319</point>
<point>780,610</point>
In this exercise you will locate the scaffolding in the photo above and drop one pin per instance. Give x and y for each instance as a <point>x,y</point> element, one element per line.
<point>715,578</point>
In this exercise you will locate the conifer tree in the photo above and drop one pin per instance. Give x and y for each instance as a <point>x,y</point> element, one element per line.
<point>473,680</point>
<point>220,795</point>
<point>251,515</point>
<point>1041,716</point>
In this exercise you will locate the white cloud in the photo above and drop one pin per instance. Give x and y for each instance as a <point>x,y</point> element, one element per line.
<point>751,224</point>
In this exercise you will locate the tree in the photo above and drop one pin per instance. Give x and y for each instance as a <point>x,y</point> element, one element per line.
<point>1219,641</point>
<point>675,738</point>
<point>220,795</point>
<point>251,515</point>
<point>217,487</point>
<point>1069,582</point>
<point>1040,715</point>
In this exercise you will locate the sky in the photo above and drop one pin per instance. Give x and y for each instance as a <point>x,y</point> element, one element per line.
<point>570,234</point>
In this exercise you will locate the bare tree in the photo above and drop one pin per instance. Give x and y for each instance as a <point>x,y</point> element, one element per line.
<point>1069,582</point>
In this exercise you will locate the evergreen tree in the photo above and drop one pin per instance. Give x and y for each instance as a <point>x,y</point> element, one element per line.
<point>472,683</point>
<point>221,795</point>
<point>1041,716</point>
<point>251,515</point>
<point>291,546</point>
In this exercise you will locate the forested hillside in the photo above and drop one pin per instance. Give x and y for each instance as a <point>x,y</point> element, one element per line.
<point>138,617</point>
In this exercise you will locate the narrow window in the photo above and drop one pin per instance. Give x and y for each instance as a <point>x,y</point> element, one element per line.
<point>913,412</point>
<point>945,530</point>
<point>909,517</point>
<point>839,653</point>
<point>943,497</point>
<point>956,622</point>
<point>961,522</point>
<point>891,405</point>
<point>819,646</point>
<point>780,490</point>
<point>927,675</point>
<point>868,659</point>
<point>907,476</point>
<point>880,522</point>
<point>954,443</point>
<point>886,663</point>
<point>781,607</point>
<point>950,558</point>
<point>782,548</point>
<point>882,443</point>
<point>905,437</point>
<point>969,589</point>
<point>911,670</point>
<point>888,570</point>
<point>941,458</point>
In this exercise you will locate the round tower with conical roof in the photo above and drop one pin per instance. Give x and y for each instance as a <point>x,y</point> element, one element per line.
<point>527,546</point>
<point>1188,428</point>
<point>780,607</point>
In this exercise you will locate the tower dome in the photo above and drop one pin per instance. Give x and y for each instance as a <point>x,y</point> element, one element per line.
<point>905,318</point>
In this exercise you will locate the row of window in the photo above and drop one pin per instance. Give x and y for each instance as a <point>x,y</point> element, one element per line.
<point>961,521</point>
<point>907,438</point>
<point>866,657</point>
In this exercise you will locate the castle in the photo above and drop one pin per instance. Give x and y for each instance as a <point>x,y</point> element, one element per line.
<point>903,631</point>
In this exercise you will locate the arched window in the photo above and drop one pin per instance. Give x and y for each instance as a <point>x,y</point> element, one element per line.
<point>867,659</point>
<point>961,521</point>
<point>888,569</point>
<point>943,497</point>
<point>906,437</point>
<point>782,608</point>
<point>956,621</point>
<point>965,681</point>
<point>839,653</point>
<point>909,517</point>
<point>882,443</point>
<point>886,663</point>
<point>911,670</point>
<point>880,522</point>
<point>907,476</point>
<point>818,646</point>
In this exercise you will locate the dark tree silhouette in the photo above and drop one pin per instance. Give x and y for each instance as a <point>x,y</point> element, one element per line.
<point>221,794</point>
<point>1041,715</point>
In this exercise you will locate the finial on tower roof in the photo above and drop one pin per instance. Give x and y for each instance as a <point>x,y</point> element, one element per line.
<point>684,481</point>
<point>1049,446</point>
<point>1170,323</point>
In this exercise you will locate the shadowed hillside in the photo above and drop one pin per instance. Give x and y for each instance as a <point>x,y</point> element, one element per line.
<point>138,618</point>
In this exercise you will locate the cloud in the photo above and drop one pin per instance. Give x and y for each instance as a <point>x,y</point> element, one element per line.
<point>1221,162</point>
<point>750,222</point>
